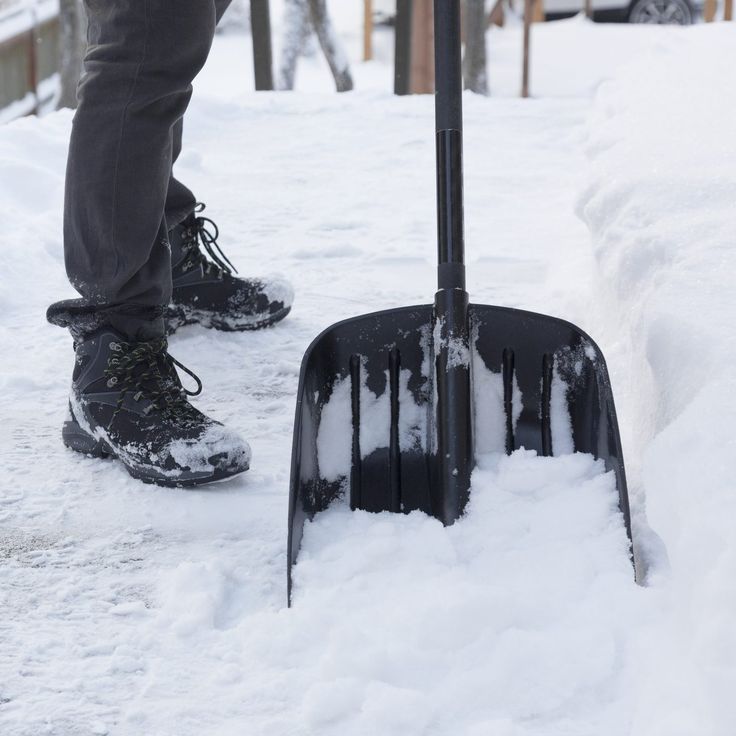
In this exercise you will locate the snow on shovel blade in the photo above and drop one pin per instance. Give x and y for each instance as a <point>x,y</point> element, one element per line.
<point>367,401</point>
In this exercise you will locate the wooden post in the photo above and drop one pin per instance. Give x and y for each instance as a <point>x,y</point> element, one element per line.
<point>33,65</point>
<point>496,16</point>
<point>475,75</point>
<point>330,44</point>
<point>367,30</point>
<point>588,9</point>
<point>525,59</point>
<point>422,48</point>
<point>260,24</point>
<point>728,10</point>
<point>402,47</point>
<point>709,10</point>
<point>538,15</point>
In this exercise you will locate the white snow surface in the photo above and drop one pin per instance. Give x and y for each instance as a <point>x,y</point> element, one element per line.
<point>660,202</point>
<point>131,609</point>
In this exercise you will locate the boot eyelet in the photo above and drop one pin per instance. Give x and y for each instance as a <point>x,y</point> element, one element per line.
<point>112,381</point>
<point>115,346</point>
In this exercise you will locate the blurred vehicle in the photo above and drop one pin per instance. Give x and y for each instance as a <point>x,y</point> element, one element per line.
<point>661,12</point>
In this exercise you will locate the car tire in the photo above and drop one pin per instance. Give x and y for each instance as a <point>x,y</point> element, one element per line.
<point>661,12</point>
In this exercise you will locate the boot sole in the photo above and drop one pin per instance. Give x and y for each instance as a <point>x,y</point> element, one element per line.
<point>177,317</point>
<point>79,440</point>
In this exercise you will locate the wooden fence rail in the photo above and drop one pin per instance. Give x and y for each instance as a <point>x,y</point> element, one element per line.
<point>29,58</point>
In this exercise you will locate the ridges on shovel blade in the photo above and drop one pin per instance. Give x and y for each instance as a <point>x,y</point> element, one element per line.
<point>385,361</point>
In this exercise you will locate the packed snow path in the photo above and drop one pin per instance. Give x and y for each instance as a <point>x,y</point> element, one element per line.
<point>141,607</point>
<point>130,609</point>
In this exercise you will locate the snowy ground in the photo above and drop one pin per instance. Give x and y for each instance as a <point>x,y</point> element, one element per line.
<point>127,609</point>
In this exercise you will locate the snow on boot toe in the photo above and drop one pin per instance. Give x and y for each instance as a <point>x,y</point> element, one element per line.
<point>217,448</point>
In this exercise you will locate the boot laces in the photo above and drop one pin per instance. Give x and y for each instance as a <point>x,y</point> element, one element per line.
<point>147,369</point>
<point>203,233</point>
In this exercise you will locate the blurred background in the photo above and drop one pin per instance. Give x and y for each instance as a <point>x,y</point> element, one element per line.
<point>385,44</point>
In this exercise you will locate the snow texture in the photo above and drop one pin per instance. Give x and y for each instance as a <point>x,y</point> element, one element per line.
<point>660,203</point>
<point>130,609</point>
<point>215,441</point>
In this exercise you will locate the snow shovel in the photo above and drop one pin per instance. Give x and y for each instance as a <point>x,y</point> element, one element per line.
<point>392,406</point>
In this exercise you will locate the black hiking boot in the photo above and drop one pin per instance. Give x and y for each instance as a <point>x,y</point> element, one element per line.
<point>207,293</point>
<point>127,401</point>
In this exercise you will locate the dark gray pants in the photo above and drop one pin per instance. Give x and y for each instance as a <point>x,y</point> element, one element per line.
<point>121,197</point>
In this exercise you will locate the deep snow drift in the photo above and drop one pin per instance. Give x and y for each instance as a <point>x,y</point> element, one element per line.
<point>660,204</point>
<point>128,609</point>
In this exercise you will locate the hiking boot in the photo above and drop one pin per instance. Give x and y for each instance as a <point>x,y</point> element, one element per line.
<point>206,292</point>
<point>128,402</point>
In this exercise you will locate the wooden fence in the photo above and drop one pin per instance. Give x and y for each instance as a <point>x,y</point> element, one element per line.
<point>29,58</point>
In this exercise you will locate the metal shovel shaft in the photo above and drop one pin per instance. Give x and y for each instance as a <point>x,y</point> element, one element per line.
<point>449,142</point>
<point>453,416</point>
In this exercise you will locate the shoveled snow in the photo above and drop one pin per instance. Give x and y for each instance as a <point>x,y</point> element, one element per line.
<point>130,609</point>
<point>514,620</point>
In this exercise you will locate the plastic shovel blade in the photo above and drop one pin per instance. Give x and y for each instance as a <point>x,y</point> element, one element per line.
<point>366,407</point>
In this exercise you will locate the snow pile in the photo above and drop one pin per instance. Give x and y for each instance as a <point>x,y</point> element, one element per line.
<point>660,204</point>
<point>511,621</point>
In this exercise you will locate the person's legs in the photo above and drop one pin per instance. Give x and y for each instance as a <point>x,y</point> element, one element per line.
<point>180,201</point>
<point>205,289</point>
<point>142,57</point>
<point>127,400</point>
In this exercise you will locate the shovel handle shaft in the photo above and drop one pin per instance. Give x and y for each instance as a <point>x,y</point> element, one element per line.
<point>450,235</point>
<point>449,130</point>
<point>448,66</point>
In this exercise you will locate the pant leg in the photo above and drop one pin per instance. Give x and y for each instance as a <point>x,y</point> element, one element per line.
<point>180,201</point>
<point>140,62</point>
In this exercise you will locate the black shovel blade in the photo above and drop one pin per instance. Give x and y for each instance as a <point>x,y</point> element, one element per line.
<point>365,415</point>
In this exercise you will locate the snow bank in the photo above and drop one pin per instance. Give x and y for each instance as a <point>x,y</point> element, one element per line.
<point>660,204</point>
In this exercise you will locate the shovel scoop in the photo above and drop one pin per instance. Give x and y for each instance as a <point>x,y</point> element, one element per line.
<point>393,406</point>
